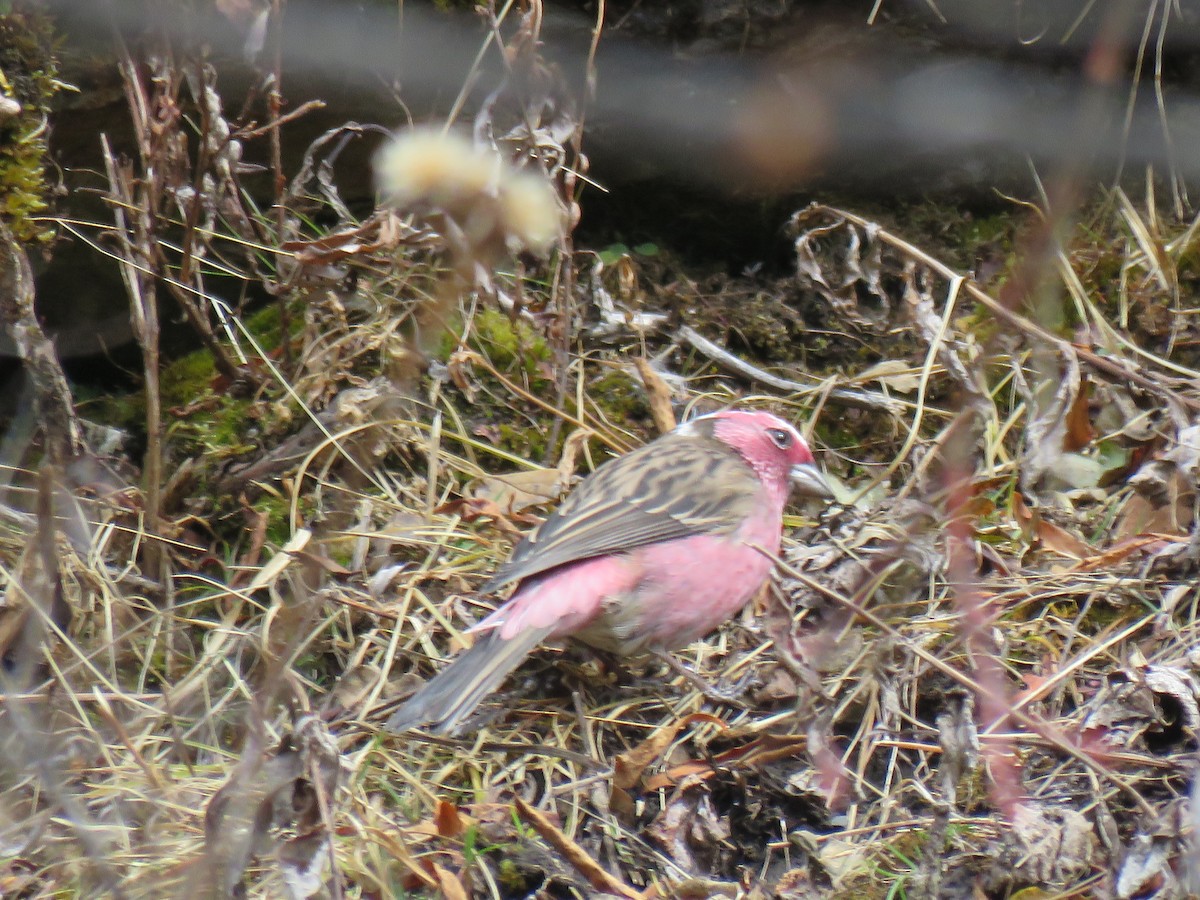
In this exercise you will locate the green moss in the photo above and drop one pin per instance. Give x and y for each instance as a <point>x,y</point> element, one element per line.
<point>124,411</point>
<point>511,344</point>
<point>28,75</point>
<point>187,379</point>
<point>277,509</point>
<point>957,236</point>
<point>528,442</point>
<point>218,423</point>
<point>215,423</point>
<point>619,396</point>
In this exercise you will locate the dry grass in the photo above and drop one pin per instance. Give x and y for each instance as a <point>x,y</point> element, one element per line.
<point>964,676</point>
<point>973,676</point>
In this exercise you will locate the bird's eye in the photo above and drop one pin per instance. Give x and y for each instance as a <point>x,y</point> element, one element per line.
<point>782,439</point>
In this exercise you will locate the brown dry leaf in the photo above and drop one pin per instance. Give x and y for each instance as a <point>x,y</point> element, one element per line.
<point>659,394</point>
<point>1114,555</point>
<point>626,276</point>
<point>354,686</point>
<point>695,768</point>
<point>780,685</point>
<point>1059,540</point>
<point>799,884</point>
<point>449,884</point>
<point>758,752</point>
<point>1146,870</point>
<point>320,561</point>
<point>896,374</point>
<point>460,372</point>
<point>1034,685</point>
<point>1049,845</point>
<point>1025,517</point>
<point>1046,429</point>
<point>472,508</point>
<point>398,848</point>
<point>575,855</point>
<point>268,792</point>
<point>832,778</point>
<point>301,861</point>
<point>628,767</point>
<point>1164,502</point>
<point>448,820</point>
<point>438,826</point>
<point>1145,706</point>
<point>572,447</point>
<point>622,805</point>
<point>1138,516</point>
<point>518,491</point>
<point>336,246</point>
<point>1079,424</point>
<point>1059,843</point>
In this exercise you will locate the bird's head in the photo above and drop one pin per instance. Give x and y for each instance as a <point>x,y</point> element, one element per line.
<point>771,446</point>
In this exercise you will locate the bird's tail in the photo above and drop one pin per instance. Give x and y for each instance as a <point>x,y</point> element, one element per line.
<point>452,695</point>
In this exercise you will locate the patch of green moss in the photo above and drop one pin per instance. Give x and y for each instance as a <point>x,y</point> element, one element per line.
<point>528,442</point>
<point>28,75</point>
<point>187,378</point>
<point>511,345</point>
<point>619,397</point>
<point>956,236</point>
<point>215,422</point>
<point>126,411</point>
<point>277,509</point>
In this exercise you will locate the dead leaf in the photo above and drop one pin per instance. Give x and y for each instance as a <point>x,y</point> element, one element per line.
<point>1079,431</point>
<point>449,884</point>
<point>1046,429</point>
<point>518,491</point>
<point>1126,548</point>
<point>1146,870</point>
<point>302,860</point>
<point>626,276</point>
<point>895,374</point>
<point>266,793</point>
<point>1049,844</point>
<point>1034,684</point>
<point>572,447</point>
<point>659,394</point>
<point>1059,540</point>
<point>629,766</point>
<point>472,508</point>
<point>1025,517</point>
<point>757,752</point>
<point>449,822</point>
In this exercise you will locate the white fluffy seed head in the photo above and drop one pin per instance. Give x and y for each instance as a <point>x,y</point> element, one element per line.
<point>529,212</point>
<point>429,170</point>
<point>429,166</point>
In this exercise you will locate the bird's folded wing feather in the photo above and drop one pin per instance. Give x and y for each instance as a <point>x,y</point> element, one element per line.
<point>674,488</point>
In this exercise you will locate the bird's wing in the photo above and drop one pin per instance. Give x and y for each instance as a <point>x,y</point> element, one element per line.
<point>678,486</point>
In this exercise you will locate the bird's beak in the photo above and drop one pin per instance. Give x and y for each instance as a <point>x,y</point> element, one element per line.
<point>808,480</point>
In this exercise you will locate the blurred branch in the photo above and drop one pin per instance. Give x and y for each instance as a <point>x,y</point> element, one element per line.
<point>51,394</point>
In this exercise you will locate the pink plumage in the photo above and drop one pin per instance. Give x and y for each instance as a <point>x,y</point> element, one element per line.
<point>649,553</point>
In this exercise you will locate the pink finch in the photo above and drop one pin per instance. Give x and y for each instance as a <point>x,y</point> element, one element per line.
<point>649,553</point>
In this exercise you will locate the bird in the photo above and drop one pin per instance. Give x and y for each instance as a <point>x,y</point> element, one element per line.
<point>648,554</point>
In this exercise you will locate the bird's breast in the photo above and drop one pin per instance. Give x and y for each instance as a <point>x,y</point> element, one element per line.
<point>688,588</point>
